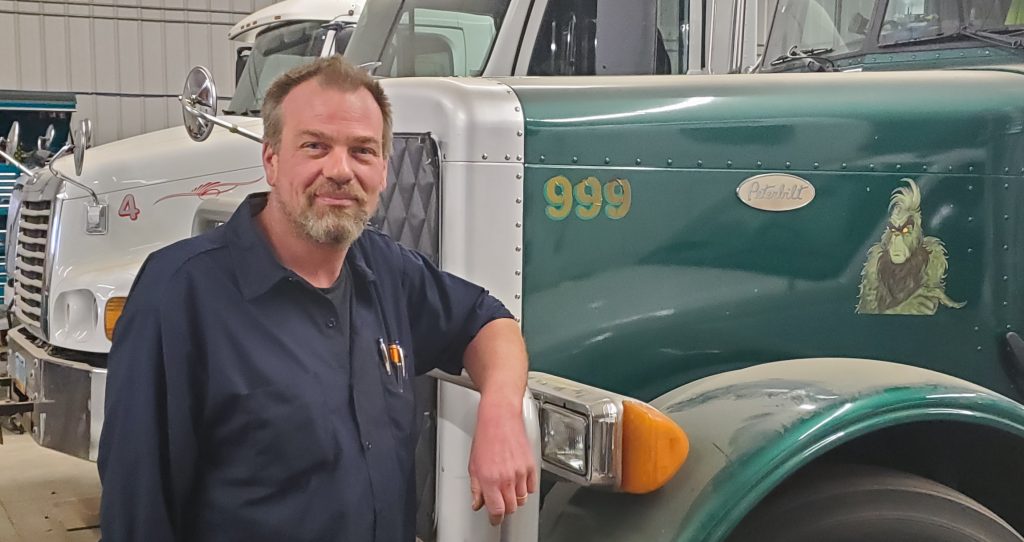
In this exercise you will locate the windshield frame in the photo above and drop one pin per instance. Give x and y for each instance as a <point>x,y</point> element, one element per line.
<point>247,98</point>
<point>380,21</point>
<point>871,44</point>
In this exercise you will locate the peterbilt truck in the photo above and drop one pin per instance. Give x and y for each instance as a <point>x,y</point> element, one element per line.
<point>815,276</point>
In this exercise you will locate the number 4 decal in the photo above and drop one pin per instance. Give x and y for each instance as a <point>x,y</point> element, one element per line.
<point>128,208</point>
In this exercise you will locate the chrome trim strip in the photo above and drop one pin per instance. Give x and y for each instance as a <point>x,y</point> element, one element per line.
<point>56,210</point>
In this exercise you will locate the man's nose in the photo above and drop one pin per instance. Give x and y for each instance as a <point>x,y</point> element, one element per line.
<point>338,166</point>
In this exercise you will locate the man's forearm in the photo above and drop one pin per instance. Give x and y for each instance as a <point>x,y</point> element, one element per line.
<point>496,361</point>
<point>502,468</point>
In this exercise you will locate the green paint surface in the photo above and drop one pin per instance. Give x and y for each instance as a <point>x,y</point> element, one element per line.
<point>692,282</point>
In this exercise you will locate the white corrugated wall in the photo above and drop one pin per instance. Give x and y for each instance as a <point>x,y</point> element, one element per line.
<point>125,59</point>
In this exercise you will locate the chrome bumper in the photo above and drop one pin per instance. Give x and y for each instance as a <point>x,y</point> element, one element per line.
<point>68,397</point>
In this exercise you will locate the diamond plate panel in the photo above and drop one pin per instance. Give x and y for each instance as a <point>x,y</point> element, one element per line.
<point>409,207</point>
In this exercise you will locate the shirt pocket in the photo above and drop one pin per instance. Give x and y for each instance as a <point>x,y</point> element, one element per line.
<point>289,434</point>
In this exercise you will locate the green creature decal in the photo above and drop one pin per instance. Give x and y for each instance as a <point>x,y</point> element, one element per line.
<point>905,271</point>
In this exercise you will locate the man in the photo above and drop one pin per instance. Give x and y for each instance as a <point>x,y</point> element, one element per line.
<point>258,382</point>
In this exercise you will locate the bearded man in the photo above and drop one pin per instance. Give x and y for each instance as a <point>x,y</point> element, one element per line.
<point>258,385</point>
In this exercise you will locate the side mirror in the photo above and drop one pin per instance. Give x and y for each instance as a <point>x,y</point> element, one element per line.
<point>241,57</point>
<point>199,97</point>
<point>82,137</point>
<point>46,139</point>
<point>13,139</point>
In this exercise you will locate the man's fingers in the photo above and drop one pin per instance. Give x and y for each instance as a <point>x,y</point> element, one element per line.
<point>508,492</point>
<point>497,505</point>
<point>531,479</point>
<point>521,488</point>
<point>478,497</point>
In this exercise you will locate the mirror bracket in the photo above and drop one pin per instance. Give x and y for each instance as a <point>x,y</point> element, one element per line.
<point>95,218</point>
<point>98,226</point>
<point>189,107</point>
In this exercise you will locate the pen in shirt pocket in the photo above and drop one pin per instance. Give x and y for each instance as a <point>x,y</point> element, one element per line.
<point>384,358</point>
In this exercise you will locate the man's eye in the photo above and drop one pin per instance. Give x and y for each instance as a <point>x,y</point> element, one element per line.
<point>314,145</point>
<point>366,150</point>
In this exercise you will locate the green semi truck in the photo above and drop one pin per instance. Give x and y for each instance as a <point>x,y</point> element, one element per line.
<point>817,276</point>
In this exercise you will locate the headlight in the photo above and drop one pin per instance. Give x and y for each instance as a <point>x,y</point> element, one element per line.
<point>564,438</point>
<point>593,437</point>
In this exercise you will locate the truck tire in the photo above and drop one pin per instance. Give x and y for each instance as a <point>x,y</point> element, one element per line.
<point>852,503</point>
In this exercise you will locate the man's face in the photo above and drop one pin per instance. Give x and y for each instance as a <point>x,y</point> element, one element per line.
<point>329,170</point>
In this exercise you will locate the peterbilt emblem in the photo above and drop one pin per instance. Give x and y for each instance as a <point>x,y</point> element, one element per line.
<point>775,192</point>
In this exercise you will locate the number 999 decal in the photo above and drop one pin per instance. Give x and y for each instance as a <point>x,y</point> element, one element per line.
<point>588,197</point>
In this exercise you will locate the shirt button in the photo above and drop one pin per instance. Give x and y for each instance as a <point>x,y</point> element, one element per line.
<point>331,322</point>
<point>368,445</point>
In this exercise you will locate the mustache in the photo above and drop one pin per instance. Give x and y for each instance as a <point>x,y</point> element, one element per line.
<point>334,190</point>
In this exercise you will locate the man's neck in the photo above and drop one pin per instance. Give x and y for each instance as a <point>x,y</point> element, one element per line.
<point>318,263</point>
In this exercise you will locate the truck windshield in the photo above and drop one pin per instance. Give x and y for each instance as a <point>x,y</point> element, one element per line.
<point>276,50</point>
<point>830,27</point>
<point>427,37</point>
<point>910,21</point>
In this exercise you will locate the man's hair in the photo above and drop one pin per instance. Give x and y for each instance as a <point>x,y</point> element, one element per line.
<point>332,72</point>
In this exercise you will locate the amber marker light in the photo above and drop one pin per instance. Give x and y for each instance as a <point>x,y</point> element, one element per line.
<point>653,448</point>
<point>111,314</point>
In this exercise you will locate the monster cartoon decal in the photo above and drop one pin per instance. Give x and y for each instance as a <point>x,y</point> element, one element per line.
<point>905,272</point>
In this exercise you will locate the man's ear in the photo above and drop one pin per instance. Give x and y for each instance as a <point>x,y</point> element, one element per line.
<point>270,163</point>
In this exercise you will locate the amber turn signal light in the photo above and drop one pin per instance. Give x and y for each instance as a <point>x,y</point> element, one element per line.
<point>653,448</point>
<point>111,314</point>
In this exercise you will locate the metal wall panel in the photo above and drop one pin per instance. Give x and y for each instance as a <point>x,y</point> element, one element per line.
<point>124,59</point>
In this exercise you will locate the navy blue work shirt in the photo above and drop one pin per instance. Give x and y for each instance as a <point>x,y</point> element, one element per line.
<point>237,408</point>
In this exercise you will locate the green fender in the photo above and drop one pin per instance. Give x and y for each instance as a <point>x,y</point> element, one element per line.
<point>752,428</point>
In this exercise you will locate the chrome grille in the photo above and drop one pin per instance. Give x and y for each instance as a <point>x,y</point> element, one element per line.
<point>30,261</point>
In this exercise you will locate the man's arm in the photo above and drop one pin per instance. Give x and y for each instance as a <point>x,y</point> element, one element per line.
<point>147,446</point>
<point>459,325</point>
<point>502,468</point>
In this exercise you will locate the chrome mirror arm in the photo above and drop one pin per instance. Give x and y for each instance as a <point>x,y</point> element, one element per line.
<point>233,128</point>
<point>63,150</point>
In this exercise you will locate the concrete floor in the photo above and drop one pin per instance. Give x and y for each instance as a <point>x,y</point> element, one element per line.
<point>46,496</point>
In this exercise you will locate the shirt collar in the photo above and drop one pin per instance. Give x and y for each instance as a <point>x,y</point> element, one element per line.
<point>256,265</point>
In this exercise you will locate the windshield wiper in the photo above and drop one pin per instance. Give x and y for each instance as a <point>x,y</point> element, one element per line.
<point>796,53</point>
<point>1010,41</point>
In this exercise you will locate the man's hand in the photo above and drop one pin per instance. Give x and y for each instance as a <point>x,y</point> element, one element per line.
<point>502,469</point>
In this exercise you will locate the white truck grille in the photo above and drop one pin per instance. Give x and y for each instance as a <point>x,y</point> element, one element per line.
<point>30,261</point>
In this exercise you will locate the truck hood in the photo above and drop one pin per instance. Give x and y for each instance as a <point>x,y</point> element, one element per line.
<point>162,156</point>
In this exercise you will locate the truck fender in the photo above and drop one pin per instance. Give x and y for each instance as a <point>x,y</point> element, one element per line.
<point>80,299</point>
<point>752,428</point>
